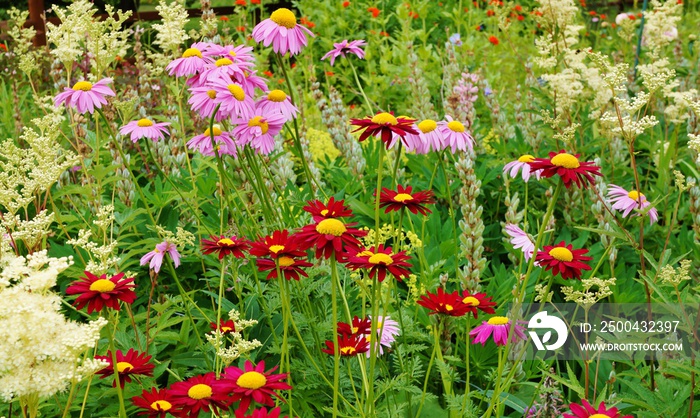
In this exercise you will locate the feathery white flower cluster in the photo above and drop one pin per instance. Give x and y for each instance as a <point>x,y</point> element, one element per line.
<point>23,37</point>
<point>587,297</point>
<point>40,351</point>
<point>170,34</point>
<point>32,231</point>
<point>181,238</point>
<point>102,256</point>
<point>674,277</point>
<point>240,346</point>
<point>660,25</point>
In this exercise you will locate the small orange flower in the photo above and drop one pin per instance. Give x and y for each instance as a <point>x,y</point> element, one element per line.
<point>254,1</point>
<point>521,18</point>
<point>224,18</point>
<point>592,13</point>
<point>382,33</point>
<point>490,13</point>
<point>3,47</point>
<point>413,14</point>
<point>346,4</point>
<point>240,28</point>
<point>240,3</point>
<point>603,16</point>
<point>268,73</point>
<point>330,73</point>
<point>493,40</point>
<point>518,8</point>
<point>375,12</point>
<point>306,22</point>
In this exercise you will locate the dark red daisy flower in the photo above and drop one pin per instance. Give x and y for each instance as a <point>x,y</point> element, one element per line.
<point>444,303</point>
<point>384,125</point>
<point>226,327</point>
<point>563,259</point>
<point>279,244</point>
<point>156,403</point>
<point>198,393</point>
<point>252,383</point>
<point>405,198</point>
<point>358,327</point>
<point>334,209</point>
<point>261,413</point>
<point>478,302</point>
<point>380,261</point>
<point>586,410</point>
<point>568,167</point>
<point>348,346</point>
<point>129,364</point>
<point>289,266</point>
<point>225,245</point>
<point>331,236</point>
<point>98,292</point>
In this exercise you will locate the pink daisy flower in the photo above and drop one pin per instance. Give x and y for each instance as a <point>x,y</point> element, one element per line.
<point>222,68</point>
<point>499,327</point>
<point>258,131</point>
<point>521,163</point>
<point>277,102</point>
<point>251,81</point>
<point>241,55</point>
<point>429,137</point>
<point>155,257</point>
<point>387,330</point>
<point>626,202</point>
<point>345,47</point>
<point>145,128</point>
<point>203,101</point>
<point>281,30</point>
<point>455,135</point>
<point>192,62</point>
<point>521,240</point>
<point>233,98</point>
<point>203,143</point>
<point>85,96</point>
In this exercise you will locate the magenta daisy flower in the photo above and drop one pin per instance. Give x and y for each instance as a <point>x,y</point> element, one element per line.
<point>252,383</point>
<point>233,98</point>
<point>455,135</point>
<point>387,330</point>
<point>586,410</point>
<point>155,257</point>
<point>238,54</point>
<point>500,328</point>
<point>564,259</point>
<point>520,240</point>
<point>522,163</point>
<point>99,291</point>
<point>203,100</point>
<point>385,126</point>
<point>85,96</point>
<point>277,102</point>
<point>429,138</point>
<point>281,30</point>
<point>192,62</point>
<point>199,393</point>
<point>223,68</point>
<point>626,202</point>
<point>345,47</point>
<point>258,131</point>
<point>203,143</point>
<point>252,81</point>
<point>145,128</point>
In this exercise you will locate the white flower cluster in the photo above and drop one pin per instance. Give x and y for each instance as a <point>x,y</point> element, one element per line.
<point>587,297</point>
<point>23,37</point>
<point>40,351</point>
<point>239,346</point>
<point>171,32</point>
<point>31,232</point>
<point>660,25</point>
<point>675,277</point>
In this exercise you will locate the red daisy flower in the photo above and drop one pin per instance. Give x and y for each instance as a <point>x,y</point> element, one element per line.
<point>478,302</point>
<point>374,11</point>
<point>290,267</point>
<point>358,327</point>
<point>586,410</point>
<point>334,209</point>
<point>331,236</point>
<point>568,167</point>
<point>156,403</point>
<point>225,246</point>
<point>348,346</point>
<point>279,244</point>
<point>98,292</point>
<point>380,261</point>
<point>404,198</point>
<point>562,258</point>
<point>384,125</point>
<point>493,40</point>
<point>198,393</point>
<point>226,327</point>
<point>131,363</point>
<point>261,413</point>
<point>252,383</point>
<point>444,303</point>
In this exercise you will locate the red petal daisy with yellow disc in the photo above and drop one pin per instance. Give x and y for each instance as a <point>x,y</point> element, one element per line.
<point>331,237</point>
<point>394,200</point>
<point>198,393</point>
<point>225,245</point>
<point>129,364</point>
<point>226,327</point>
<point>98,292</point>
<point>252,383</point>
<point>586,410</point>
<point>334,209</point>
<point>478,302</point>
<point>444,303</point>
<point>380,261</point>
<point>348,346</point>
<point>279,244</point>
<point>384,125</point>
<point>358,327</point>
<point>563,259</point>
<point>290,267</point>
<point>155,403</point>
<point>568,167</point>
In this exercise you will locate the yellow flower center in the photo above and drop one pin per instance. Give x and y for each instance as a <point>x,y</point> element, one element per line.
<point>561,254</point>
<point>471,300</point>
<point>231,53</point>
<point>226,329</point>
<point>427,125</point>
<point>565,160</point>
<point>402,197</point>
<point>144,123</point>
<point>331,227</point>
<point>225,241</point>
<point>368,338</point>
<point>237,92</point>
<point>355,329</point>
<point>211,94</point>
<point>276,96</point>
<point>285,261</point>
<point>161,406</point>
<point>83,85</point>
<point>223,61</point>
<point>199,391</point>
<point>527,158</point>
<point>102,286</point>
<point>599,416</point>
<point>456,126</point>
<point>498,320</point>
<point>251,380</point>
<point>348,350</point>
<point>365,253</point>
<point>217,131</point>
<point>634,195</point>
<point>192,52</point>
<point>447,306</point>
<point>124,366</point>
<point>284,17</point>
<point>259,121</point>
<point>384,119</point>
<point>324,212</point>
<point>381,258</point>
<point>276,248</point>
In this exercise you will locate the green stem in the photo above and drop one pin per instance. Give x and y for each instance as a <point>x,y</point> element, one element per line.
<point>359,85</point>
<point>336,352</point>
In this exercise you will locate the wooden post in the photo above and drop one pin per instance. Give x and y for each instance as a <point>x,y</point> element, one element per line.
<point>36,9</point>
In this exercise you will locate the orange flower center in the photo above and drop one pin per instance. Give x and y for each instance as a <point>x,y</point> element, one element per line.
<point>331,227</point>
<point>561,254</point>
<point>237,92</point>
<point>276,96</point>
<point>251,380</point>
<point>384,118</point>
<point>102,285</point>
<point>124,366</point>
<point>381,258</point>
<point>259,121</point>
<point>402,197</point>
<point>471,300</point>
<point>427,126</point>
<point>566,160</point>
<point>284,17</point>
<point>225,242</point>
<point>527,158</point>
<point>192,52</point>
<point>83,85</point>
<point>161,406</point>
<point>498,320</point>
<point>200,391</point>
<point>285,261</point>
<point>144,123</point>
